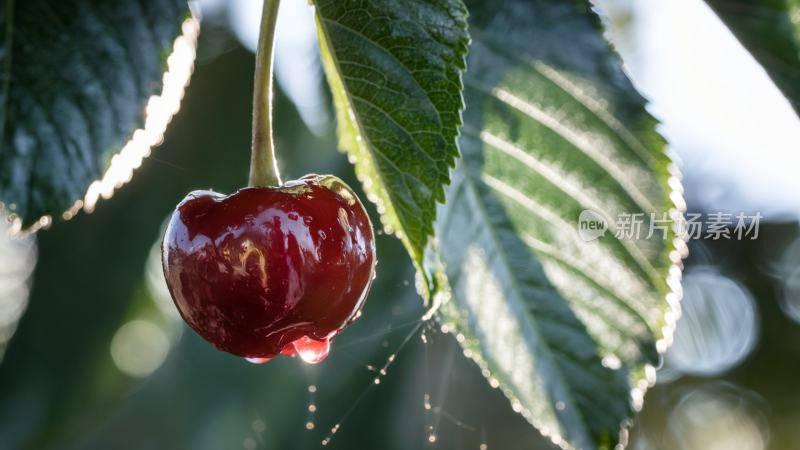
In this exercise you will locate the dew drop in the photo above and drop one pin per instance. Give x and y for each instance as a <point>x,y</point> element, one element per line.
<point>312,351</point>
<point>257,360</point>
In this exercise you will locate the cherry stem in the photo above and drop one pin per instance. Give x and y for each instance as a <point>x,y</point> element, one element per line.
<point>263,166</point>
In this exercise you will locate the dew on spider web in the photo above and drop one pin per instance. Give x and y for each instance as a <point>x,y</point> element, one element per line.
<point>484,445</point>
<point>432,437</point>
<point>381,372</point>
<point>426,396</point>
<point>434,414</point>
<point>312,407</point>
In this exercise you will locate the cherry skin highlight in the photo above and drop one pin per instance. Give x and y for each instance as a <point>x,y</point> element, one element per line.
<point>274,270</point>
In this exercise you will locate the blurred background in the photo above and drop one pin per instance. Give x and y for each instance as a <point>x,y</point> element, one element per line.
<point>94,356</point>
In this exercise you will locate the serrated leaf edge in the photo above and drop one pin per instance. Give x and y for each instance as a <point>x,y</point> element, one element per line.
<point>642,380</point>
<point>158,113</point>
<point>425,286</point>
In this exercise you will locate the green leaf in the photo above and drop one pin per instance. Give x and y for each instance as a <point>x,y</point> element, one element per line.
<point>770,30</point>
<point>568,328</point>
<point>394,68</point>
<point>76,75</point>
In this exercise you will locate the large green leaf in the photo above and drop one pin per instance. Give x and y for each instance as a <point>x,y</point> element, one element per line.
<point>770,30</point>
<point>395,72</point>
<point>569,329</point>
<point>76,75</point>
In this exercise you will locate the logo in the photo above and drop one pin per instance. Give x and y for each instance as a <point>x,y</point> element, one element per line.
<point>591,225</point>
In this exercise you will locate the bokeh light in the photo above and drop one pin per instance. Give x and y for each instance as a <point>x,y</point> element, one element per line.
<point>716,417</point>
<point>786,270</point>
<point>139,347</point>
<point>719,326</point>
<point>142,343</point>
<point>17,261</point>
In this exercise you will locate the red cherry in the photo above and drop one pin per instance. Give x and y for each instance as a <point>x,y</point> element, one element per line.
<point>268,271</point>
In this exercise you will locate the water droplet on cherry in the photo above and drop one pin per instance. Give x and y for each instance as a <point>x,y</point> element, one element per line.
<point>257,360</point>
<point>312,351</point>
<point>255,223</point>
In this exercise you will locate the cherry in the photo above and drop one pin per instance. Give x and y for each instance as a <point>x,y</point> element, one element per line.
<point>271,270</point>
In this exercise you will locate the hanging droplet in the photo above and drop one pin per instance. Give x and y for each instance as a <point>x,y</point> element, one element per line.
<point>257,360</point>
<point>312,351</point>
